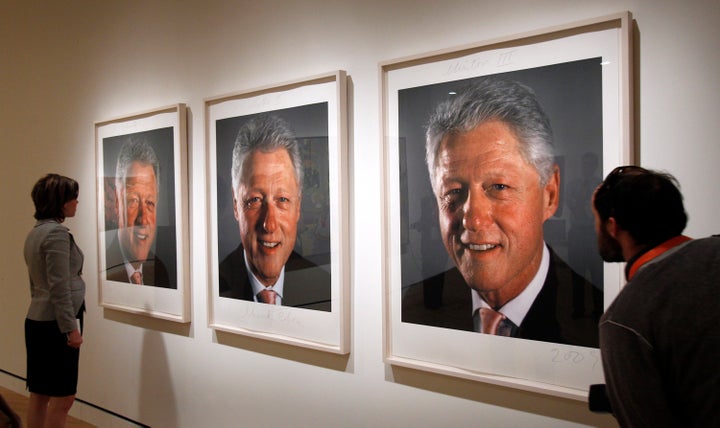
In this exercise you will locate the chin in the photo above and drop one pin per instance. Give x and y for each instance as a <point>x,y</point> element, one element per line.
<point>142,255</point>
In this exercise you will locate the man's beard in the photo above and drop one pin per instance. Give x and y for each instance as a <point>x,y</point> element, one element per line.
<point>609,247</point>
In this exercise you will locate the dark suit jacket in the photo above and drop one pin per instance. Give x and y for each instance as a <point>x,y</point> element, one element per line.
<point>306,284</point>
<point>446,302</point>
<point>154,271</point>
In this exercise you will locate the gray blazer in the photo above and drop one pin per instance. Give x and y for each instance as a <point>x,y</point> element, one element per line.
<point>54,265</point>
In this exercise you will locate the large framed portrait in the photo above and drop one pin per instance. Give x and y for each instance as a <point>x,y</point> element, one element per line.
<point>277,158</point>
<point>493,151</point>
<point>142,213</point>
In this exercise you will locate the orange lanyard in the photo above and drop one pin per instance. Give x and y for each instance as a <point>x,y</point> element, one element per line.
<point>670,243</point>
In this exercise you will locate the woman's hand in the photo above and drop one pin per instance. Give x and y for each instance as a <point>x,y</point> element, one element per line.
<point>74,339</point>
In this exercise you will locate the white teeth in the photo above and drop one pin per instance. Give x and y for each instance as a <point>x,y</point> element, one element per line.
<point>270,244</point>
<point>481,247</point>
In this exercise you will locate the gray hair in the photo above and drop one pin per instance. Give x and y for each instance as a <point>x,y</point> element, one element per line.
<point>494,99</point>
<point>136,149</point>
<point>265,133</point>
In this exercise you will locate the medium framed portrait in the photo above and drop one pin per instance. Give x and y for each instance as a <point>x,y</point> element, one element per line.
<point>142,213</point>
<point>493,151</point>
<point>277,158</point>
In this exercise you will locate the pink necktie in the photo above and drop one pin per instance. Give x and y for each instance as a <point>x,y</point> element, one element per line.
<point>136,277</point>
<point>267,296</point>
<point>490,320</point>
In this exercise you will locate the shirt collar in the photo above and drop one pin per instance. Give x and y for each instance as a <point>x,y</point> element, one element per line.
<point>517,308</point>
<point>629,264</point>
<point>46,220</point>
<point>131,270</point>
<point>649,255</point>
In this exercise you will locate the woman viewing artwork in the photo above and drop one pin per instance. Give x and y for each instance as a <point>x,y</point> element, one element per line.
<point>54,320</point>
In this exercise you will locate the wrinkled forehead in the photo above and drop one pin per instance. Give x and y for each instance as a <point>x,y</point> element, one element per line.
<point>259,160</point>
<point>138,173</point>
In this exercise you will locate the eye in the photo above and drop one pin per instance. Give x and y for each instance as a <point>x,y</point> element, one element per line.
<point>253,202</point>
<point>131,202</point>
<point>285,201</point>
<point>498,191</point>
<point>453,197</point>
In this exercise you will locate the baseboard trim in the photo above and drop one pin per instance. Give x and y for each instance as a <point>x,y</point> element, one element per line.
<point>82,409</point>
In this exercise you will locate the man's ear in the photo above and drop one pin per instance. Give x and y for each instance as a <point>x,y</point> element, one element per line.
<point>611,227</point>
<point>299,206</point>
<point>118,194</point>
<point>552,194</point>
<point>235,209</point>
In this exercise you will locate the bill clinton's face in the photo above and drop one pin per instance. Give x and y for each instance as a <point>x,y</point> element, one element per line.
<point>267,208</point>
<point>492,207</point>
<point>136,208</point>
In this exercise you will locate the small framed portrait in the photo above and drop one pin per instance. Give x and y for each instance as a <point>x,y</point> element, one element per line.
<point>142,213</point>
<point>493,152</point>
<point>277,161</point>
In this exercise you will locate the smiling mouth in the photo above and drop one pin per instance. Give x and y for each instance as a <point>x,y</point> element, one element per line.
<point>141,236</point>
<point>481,247</point>
<point>268,244</point>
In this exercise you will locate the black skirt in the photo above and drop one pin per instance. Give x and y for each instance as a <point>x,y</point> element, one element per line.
<point>52,365</point>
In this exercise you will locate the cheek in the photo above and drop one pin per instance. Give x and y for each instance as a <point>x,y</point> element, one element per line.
<point>292,219</point>
<point>526,215</point>
<point>290,228</point>
<point>448,222</point>
<point>243,224</point>
<point>531,207</point>
<point>249,221</point>
<point>130,213</point>
<point>287,218</point>
<point>120,214</point>
<point>527,222</point>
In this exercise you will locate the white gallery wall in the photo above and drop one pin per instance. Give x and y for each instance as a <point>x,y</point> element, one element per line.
<point>66,65</point>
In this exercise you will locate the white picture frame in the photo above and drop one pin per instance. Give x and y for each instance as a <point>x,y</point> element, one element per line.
<point>549,368</point>
<point>163,295</point>
<point>315,109</point>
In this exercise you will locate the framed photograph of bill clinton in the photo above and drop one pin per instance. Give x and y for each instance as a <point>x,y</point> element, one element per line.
<point>493,151</point>
<point>142,213</point>
<point>278,213</point>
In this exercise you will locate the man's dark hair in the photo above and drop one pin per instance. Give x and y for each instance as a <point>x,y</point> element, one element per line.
<point>51,193</point>
<point>646,203</point>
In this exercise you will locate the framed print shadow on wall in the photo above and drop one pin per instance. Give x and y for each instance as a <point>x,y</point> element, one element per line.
<point>143,213</point>
<point>473,226</point>
<point>277,162</point>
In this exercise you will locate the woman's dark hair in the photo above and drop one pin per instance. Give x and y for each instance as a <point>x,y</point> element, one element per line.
<point>51,193</point>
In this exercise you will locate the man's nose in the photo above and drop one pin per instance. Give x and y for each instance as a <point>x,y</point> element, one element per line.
<point>270,217</point>
<point>141,217</point>
<point>477,211</point>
